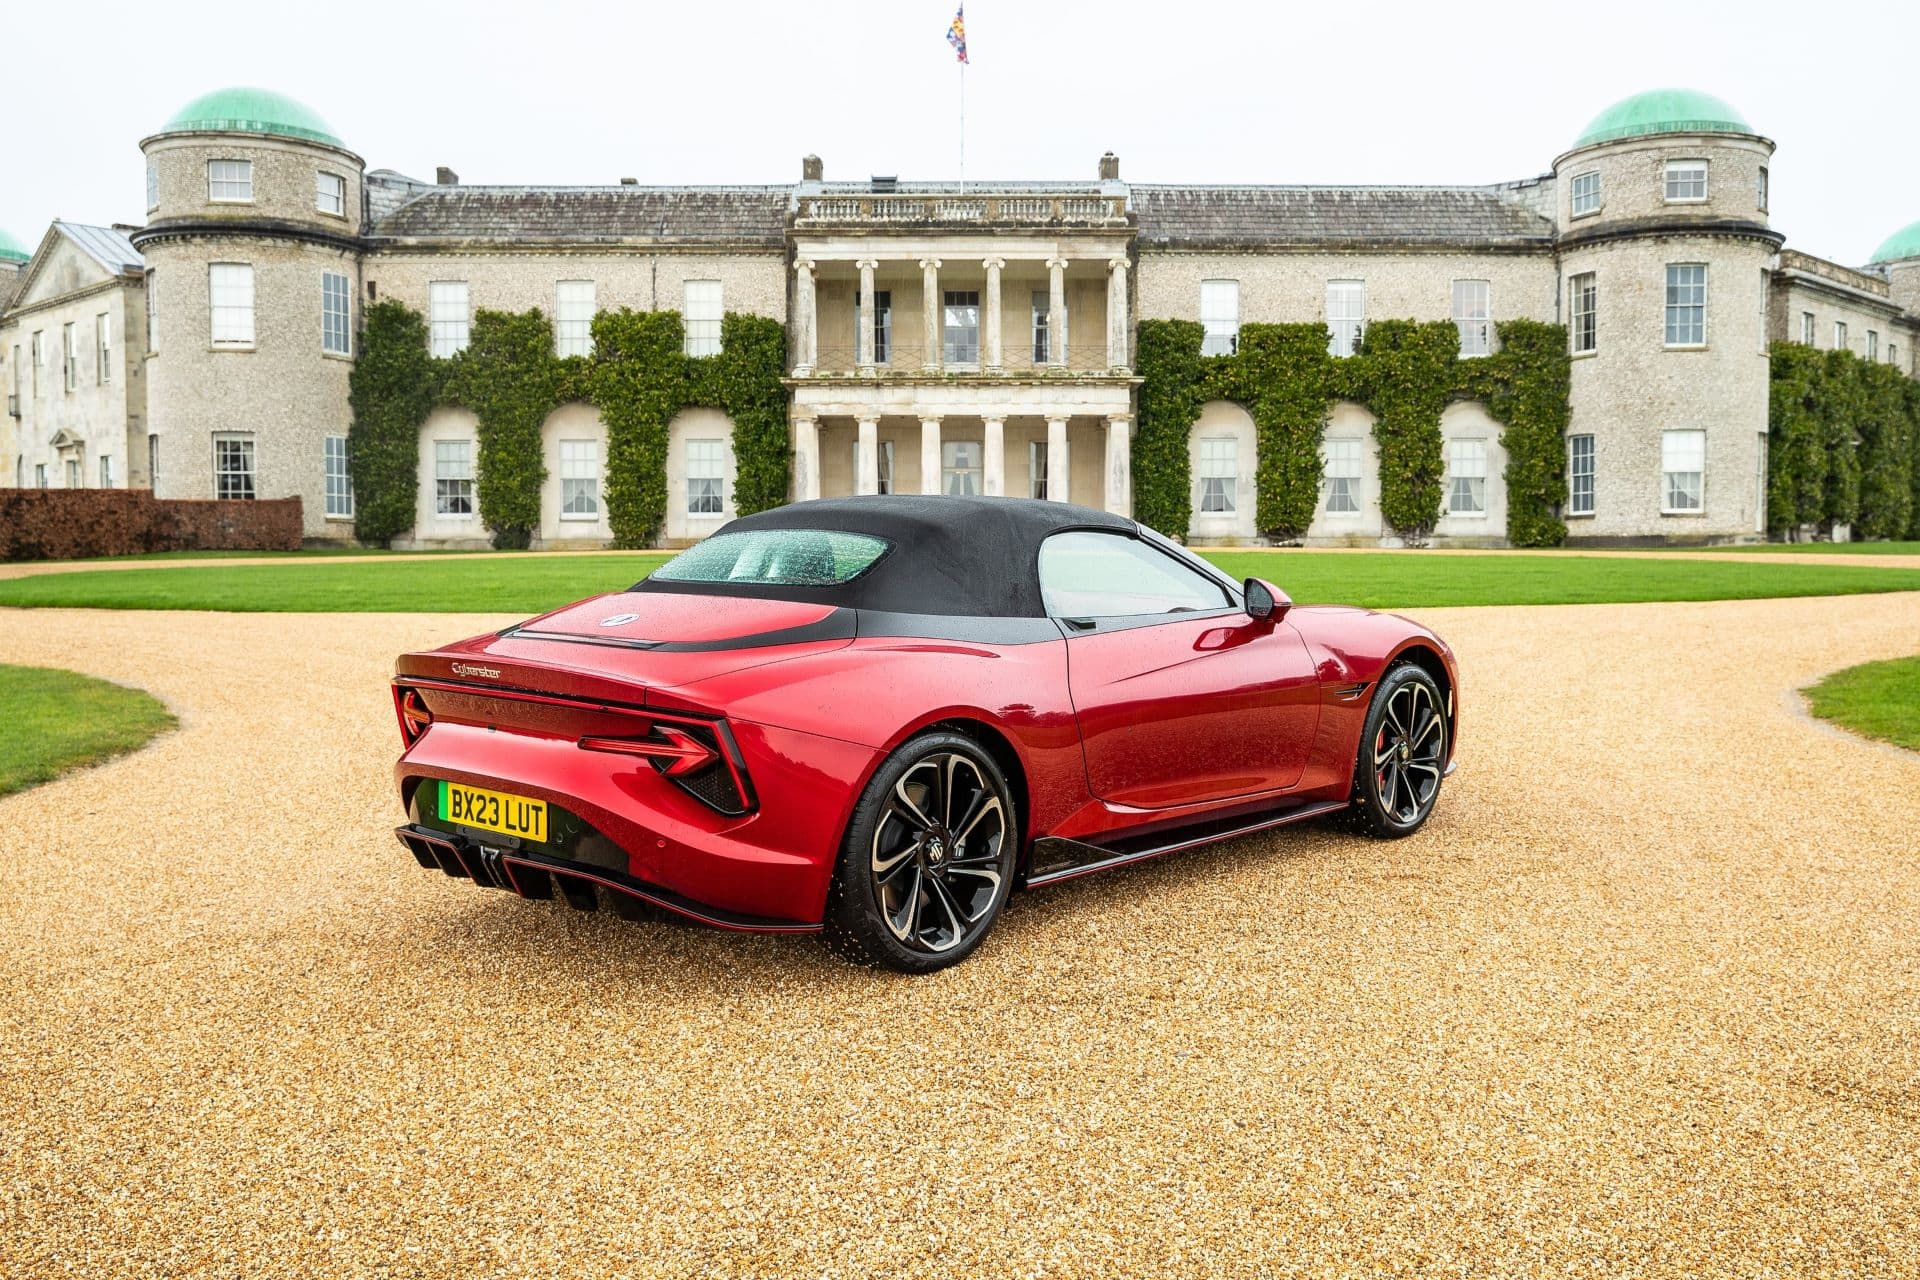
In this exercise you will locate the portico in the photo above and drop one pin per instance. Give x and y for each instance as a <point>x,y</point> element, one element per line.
<point>963,342</point>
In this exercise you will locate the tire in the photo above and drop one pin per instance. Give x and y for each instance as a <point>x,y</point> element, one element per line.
<point>920,880</point>
<point>1402,756</point>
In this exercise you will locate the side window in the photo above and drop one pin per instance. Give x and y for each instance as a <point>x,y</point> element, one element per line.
<point>1084,574</point>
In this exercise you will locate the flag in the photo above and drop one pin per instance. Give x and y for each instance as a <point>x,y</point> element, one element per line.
<point>957,33</point>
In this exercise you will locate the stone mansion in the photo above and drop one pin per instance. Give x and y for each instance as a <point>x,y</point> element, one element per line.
<point>943,338</point>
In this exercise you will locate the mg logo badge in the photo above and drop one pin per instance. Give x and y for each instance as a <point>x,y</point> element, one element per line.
<point>619,619</point>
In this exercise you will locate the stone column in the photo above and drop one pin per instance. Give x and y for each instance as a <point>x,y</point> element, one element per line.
<point>867,458</point>
<point>864,340</point>
<point>991,319</point>
<point>1120,464</point>
<point>1056,451</point>
<point>929,455</point>
<point>806,459</point>
<point>803,313</point>
<point>930,309</point>
<point>1056,312</point>
<point>1117,314</point>
<point>993,457</point>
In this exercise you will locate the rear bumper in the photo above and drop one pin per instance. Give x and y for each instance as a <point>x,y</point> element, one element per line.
<point>766,869</point>
<point>537,875</point>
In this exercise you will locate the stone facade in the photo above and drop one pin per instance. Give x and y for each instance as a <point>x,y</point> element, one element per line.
<point>950,338</point>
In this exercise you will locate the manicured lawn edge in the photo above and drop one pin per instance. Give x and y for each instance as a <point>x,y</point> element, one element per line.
<point>58,721</point>
<point>1879,700</point>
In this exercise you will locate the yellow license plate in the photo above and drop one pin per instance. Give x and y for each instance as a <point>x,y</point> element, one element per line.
<point>492,811</point>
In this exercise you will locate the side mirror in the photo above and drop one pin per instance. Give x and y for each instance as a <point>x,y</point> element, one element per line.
<point>1265,602</point>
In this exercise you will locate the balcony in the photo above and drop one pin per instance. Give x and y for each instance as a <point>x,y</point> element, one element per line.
<point>1038,208</point>
<point>961,360</point>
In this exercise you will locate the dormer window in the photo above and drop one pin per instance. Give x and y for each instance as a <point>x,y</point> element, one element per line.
<point>230,181</point>
<point>1686,181</point>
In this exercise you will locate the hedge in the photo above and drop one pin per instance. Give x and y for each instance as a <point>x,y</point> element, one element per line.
<point>638,378</point>
<point>1843,445</point>
<point>76,524</point>
<point>1406,374</point>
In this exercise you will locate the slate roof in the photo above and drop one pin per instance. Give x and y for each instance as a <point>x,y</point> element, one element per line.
<point>11,277</point>
<point>1268,217</point>
<point>110,248</point>
<point>593,215</point>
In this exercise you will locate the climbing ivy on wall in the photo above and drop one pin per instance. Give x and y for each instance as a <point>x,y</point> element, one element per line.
<point>1406,374</point>
<point>1843,445</point>
<point>638,378</point>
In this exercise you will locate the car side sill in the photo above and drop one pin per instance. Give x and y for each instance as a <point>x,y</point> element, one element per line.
<point>1063,859</point>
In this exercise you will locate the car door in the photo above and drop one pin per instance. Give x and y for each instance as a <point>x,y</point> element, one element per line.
<point>1180,696</point>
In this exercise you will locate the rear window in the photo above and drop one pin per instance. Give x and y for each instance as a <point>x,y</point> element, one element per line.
<point>775,558</point>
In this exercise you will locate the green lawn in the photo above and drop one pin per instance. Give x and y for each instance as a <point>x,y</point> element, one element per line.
<point>1807,548</point>
<point>533,583</point>
<point>1878,699</point>
<point>56,721</point>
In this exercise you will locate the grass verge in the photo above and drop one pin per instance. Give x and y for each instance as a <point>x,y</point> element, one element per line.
<point>534,583</point>
<point>58,720</point>
<point>1876,700</point>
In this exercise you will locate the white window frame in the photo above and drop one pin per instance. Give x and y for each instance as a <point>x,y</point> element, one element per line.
<point>230,321</point>
<point>453,480</point>
<point>106,471</point>
<point>230,182</point>
<point>1678,177</point>
<point>1467,478</point>
<point>959,334</point>
<point>1584,194</point>
<point>39,346</point>
<point>40,475</point>
<point>236,468</point>
<point>1346,316</point>
<point>153,311</point>
<point>103,347</point>
<point>1809,329</point>
<point>1683,453</point>
<point>1580,466</point>
<point>972,478</point>
<point>1761,193</point>
<point>449,317</point>
<point>702,313</point>
<point>1691,334</point>
<point>1340,470</point>
<point>337,478</point>
<point>1873,346</point>
<point>1219,489</point>
<point>883,324</point>
<point>330,193</point>
<point>1473,316</point>
<point>70,348</point>
<point>1841,342</point>
<point>153,459</point>
<point>153,186</point>
<point>75,479</point>
<point>579,479</point>
<point>573,304</point>
<point>1220,317</point>
<point>1042,340</point>
<point>707,492</point>
<point>336,314</point>
<point>1583,303</point>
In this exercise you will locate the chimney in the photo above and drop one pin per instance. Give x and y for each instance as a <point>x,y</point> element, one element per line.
<point>629,182</point>
<point>446,177</point>
<point>1109,167</point>
<point>810,169</point>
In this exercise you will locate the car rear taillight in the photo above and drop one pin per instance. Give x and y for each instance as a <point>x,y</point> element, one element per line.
<point>413,713</point>
<point>698,756</point>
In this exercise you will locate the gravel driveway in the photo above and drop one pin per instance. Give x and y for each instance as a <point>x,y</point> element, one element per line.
<point>1642,999</point>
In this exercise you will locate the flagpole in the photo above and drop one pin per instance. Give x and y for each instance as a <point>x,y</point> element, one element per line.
<point>963,128</point>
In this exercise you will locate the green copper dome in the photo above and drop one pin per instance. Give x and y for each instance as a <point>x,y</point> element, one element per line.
<point>11,250</point>
<point>1663,111</point>
<point>241,110</point>
<point>1904,243</point>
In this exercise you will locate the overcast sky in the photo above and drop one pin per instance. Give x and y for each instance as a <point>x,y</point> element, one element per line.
<point>724,91</point>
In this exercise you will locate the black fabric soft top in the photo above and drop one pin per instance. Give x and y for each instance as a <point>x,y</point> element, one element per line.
<point>959,556</point>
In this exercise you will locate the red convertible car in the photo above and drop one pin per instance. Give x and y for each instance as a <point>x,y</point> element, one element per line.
<point>876,717</point>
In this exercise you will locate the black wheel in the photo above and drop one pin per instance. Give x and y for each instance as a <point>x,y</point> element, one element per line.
<point>1402,756</point>
<point>927,863</point>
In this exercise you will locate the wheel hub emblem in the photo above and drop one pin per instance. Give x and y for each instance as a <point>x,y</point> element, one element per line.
<point>936,851</point>
<point>1405,751</point>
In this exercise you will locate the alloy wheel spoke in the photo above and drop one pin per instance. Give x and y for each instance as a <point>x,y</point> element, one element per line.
<point>905,921</point>
<point>950,905</point>
<point>1427,727</point>
<point>907,803</point>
